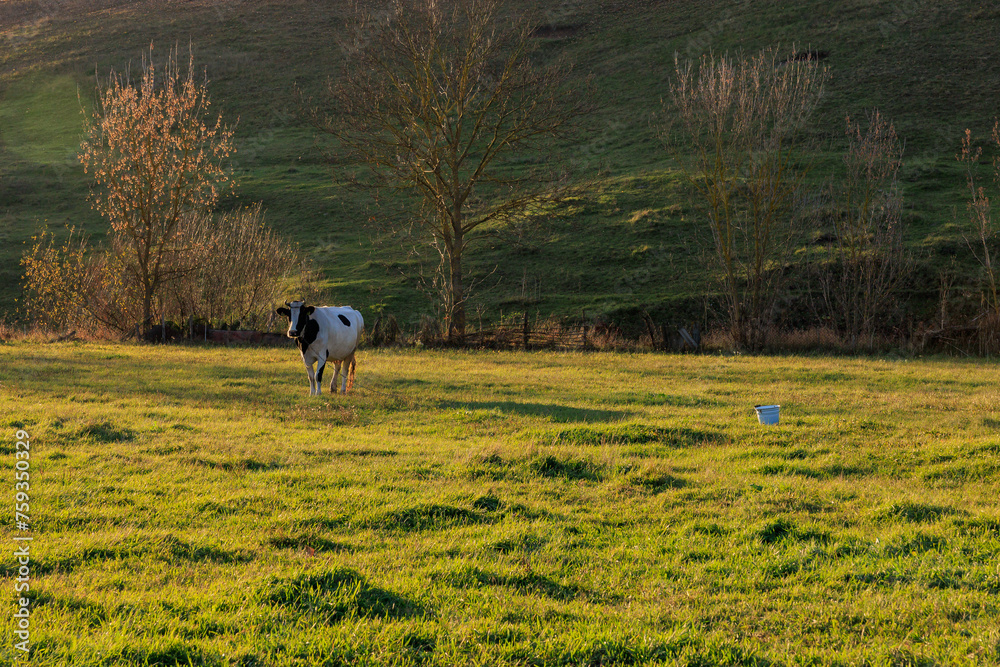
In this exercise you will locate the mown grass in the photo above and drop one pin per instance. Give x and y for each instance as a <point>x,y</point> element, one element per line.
<point>194,506</point>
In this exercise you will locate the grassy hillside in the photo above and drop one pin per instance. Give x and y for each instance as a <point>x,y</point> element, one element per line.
<point>933,68</point>
<point>193,506</point>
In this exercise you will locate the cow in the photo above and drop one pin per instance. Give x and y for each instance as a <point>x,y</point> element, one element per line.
<point>321,333</point>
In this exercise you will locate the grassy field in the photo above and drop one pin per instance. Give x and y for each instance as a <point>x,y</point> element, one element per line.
<point>629,243</point>
<point>193,505</point>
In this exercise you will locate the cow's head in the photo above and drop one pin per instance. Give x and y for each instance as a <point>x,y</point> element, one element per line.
<point>298,315</point>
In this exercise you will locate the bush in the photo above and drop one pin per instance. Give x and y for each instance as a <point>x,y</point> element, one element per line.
<point>235,268</point>
<point>56,280</point>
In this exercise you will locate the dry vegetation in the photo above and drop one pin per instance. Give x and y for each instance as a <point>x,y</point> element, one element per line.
<point>867,259</point>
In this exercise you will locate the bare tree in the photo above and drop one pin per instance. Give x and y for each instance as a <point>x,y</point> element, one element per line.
<point>869,259</point>
<point>737,119</point>
<point>980,209</point>
<point>431,98</point>
<point>154,159</point>
<point>235,268</point>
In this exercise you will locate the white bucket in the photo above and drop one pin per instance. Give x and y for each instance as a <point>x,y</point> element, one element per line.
<point>767,414</point>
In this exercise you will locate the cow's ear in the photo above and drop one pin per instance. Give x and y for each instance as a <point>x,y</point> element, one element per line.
<point>284,311</point>
<point>309,310</point>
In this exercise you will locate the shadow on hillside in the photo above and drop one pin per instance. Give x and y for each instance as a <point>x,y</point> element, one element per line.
<point>552,411</point>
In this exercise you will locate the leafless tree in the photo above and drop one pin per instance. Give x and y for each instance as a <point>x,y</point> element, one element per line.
<point>733,128</point>
<point>980,208</point>
<point>154,158</point>
<point>235,267</point>
<point>868,256</point>
<point>432,97</point>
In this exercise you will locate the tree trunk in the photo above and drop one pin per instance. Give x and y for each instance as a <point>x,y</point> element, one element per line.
<point>456,330</point>
<point>147,309</point>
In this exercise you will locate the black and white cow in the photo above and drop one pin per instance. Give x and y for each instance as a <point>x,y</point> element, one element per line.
<point>325,332</point>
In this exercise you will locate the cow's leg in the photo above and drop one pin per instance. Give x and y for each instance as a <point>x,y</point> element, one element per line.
<point>320,364</point>
<point>319,377</point>
<point>312,376</point>
<point>350,365</point>
<point>336,371</point>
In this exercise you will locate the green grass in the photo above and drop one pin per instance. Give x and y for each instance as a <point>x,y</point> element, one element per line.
<point>625,245</point>
<point>193,505</point>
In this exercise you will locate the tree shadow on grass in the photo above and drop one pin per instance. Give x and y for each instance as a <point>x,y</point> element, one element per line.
<point>245,464</point>
<point>917,512</point>
<point>171,653</point>
<point>103,433</point>
<point>308,541</point>
<point>552,411</point>
<point>571,468</point>
<point>637,434</point>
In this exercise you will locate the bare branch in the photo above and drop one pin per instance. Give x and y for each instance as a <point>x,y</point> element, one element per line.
<point>431,98</point>
<point>738,118</point>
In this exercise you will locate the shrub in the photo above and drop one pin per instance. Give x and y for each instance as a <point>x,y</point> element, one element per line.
<point>867,259</point>
<point>738,119</point>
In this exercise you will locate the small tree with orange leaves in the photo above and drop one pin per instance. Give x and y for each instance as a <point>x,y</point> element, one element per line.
<point>155,159</point>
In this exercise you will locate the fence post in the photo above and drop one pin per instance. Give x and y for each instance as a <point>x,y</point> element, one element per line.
<point>527,331</point>
<point>689,339</point>
<point>585,328</point>
<point>651,328</point>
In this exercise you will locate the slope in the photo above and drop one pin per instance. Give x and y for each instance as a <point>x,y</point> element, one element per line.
<point>630,241</point>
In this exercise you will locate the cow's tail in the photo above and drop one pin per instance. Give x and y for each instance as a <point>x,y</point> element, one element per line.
<point>350,372</point>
